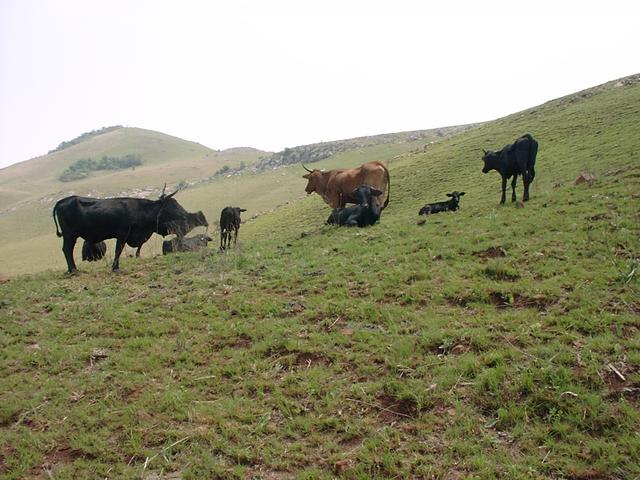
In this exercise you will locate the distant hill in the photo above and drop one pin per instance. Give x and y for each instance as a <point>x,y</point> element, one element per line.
<point>319,151</point>
<point>164,158</point>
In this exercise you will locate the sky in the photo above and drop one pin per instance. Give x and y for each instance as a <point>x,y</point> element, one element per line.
<point>276,74</point>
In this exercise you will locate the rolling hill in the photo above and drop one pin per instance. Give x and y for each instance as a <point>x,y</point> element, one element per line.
<point>493,342</point>
<point>211,180</point>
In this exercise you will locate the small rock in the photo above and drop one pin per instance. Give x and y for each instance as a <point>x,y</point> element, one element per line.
<point>585,177</point>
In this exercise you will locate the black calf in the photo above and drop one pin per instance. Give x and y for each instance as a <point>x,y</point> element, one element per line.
<point>442,206</point>
<point>92,252</point>
<point>185,244</point>
<point>362,215</point>
<point>229,224</point>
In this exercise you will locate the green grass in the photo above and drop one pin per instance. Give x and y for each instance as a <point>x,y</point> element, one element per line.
<point>397,351</point>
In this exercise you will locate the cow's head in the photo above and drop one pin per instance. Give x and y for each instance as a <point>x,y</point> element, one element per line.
<point>489,158</point>
<point>316,181</point>
<point>364,193</point>
<point>455,196</point>
<point>173,218</point>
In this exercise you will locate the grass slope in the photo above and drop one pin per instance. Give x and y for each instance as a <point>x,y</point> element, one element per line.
<point>31,246</point>
<point>166,159</point>
<point>494,342</point>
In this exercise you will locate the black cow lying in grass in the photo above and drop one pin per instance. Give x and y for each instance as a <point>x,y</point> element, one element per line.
<point>92,252</point>
<point>366,213</point>
<point>185,244</point>
<point>442,206</point>
<point>517,158</point>
<point>229,224</point>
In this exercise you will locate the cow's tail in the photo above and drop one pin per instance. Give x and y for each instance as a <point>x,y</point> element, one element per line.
<point>533,152</point>
<point>54,219</point>
<point>386,174</point>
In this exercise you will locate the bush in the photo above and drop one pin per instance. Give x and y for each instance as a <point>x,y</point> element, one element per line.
<point>81,168</point>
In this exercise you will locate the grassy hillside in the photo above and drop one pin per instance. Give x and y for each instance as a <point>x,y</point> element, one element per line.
<point>166,159</point>
<point>493,342</point>
<point>27,235</point>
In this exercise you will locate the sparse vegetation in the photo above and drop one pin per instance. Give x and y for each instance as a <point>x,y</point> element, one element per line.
<point>493,342</point>
<point>83,137</point>
<point>83,167</point>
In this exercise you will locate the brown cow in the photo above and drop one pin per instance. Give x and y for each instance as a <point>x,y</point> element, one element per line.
<point>336,187</point>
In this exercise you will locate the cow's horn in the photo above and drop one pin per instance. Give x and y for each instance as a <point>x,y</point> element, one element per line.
<point>310,171</point>
<point>163,189</point>
<point>171,194</point>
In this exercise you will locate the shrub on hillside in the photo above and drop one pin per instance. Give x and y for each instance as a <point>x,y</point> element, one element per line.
<point>81,168</point>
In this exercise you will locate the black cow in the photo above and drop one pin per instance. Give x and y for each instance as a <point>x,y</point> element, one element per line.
<point>442,206</point>
<point>185,244</point>
<point>365,213</point>
<point>518,158</point>
<point>92,252</point>
<point>128,220</point>
<point>229,223</point>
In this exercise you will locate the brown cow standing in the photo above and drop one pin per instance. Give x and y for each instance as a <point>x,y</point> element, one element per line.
<point>336,187</point>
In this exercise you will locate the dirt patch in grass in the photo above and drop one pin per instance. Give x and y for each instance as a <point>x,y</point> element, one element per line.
<point>491,252</point>
<point>310,359</point>
<point>517,300</point>
<point>263,473</point>
<point>392,409</point>
<point>590,474</point>
<point>619,387</point>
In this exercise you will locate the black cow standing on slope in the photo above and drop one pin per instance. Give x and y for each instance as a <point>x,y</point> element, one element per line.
<point>128,220</point>
<point>229,223</point>
<point>518,158</point>
<point>365,213</point>
<point>451,205</point>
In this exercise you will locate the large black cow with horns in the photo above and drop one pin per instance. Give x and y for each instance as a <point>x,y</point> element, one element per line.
<point>128,220</point>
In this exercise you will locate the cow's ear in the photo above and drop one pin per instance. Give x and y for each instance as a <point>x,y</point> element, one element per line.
<point>243,209</point>
<point>484,151</point>
<point>449,195</point>
<point>461,193</point>
<point>306,176</point>
<point>375,192</point>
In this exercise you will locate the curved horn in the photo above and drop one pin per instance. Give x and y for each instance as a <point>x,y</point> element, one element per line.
<point>310,171</point>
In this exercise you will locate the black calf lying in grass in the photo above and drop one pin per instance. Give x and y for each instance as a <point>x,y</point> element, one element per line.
<point>442,206</point>
<point>362,215</point>
<point>185,244</point>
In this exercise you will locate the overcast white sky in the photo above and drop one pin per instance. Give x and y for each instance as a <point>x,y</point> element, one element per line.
<point>272,74</point>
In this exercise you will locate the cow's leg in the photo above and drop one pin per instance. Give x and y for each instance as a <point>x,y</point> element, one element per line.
<point>504,189</point>
<point>119,247</point>
<point>221,240</point>
<point>138,251</point>
<point>513,188</point>
<point>526,177</point>
<point>235,236</point>
<point>68,243</point>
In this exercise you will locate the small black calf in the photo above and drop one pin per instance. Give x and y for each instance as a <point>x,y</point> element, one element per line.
<point>442,206</point>
<point>362,215</point>
<point>185,244</point>
<point>92,252</point>
<point>229,223</point>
